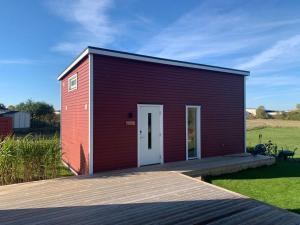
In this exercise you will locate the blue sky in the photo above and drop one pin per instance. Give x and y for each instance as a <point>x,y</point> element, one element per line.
<point>38,40</point>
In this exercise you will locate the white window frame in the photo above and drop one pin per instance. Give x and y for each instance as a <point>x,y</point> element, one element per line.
<point>69,82</point>
<point>198,107</point>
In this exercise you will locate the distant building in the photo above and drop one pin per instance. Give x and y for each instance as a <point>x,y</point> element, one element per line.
<point>273,112</point>
<point>20,120</point>
<point>252,112</point>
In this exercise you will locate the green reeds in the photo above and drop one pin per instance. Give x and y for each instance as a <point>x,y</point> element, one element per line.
<point>29,158</point>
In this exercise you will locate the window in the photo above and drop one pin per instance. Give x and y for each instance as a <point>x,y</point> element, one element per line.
<point>193,134</point>
<point>72,82</point>
<point>149,131</point>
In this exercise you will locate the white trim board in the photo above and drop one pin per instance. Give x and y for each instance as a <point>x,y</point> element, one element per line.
<point>69,167</point>
<point>61,114</point>
<point>108,52</point>
<point>161,109</point>
<point>80,57</point>
<point>245,118</point>
<point>198,120</point>
<point>91,114</point>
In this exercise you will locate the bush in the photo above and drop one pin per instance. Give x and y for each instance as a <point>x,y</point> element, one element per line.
<point>280,116</point>
<point>250,116</point>
<point>29,158</point>
<point>293,115</point>
<point>261,113</point>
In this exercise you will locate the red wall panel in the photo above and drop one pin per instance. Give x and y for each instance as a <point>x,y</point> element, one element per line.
<point>75,117</point>
<point>121,84</point>
<point>5,126</point>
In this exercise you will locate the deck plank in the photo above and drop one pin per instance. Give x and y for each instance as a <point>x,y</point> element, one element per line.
<point>158,194</point>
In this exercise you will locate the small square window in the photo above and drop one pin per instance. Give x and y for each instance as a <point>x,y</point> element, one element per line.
<point>72,82</point>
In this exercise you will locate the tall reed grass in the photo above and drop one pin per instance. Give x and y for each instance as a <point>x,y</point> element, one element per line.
<point>29,158</point>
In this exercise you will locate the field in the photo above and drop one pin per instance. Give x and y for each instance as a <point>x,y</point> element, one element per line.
<point>279,184</point>
<point>260,123</point>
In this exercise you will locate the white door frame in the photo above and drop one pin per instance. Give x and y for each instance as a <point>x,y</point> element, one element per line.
<point>198,119</point>
<point>161,118</point>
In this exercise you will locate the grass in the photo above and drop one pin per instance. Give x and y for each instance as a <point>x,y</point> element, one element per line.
<point>278,184</point>
<point>30,158</point>
<point>284,137</point>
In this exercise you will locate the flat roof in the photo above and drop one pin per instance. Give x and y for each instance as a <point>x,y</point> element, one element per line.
<point>145,58</point>
<point>8,112</point>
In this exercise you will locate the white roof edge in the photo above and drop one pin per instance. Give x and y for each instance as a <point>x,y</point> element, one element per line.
<point>150,59</point>
<point>80,57</point>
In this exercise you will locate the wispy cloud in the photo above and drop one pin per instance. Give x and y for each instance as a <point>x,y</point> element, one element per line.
<point>285,94</point>
<point>92,21</point>
<point>17,61</point>
<point>274,81</point>
<point>214,30</point>
<point>195,35</point>
<point>283,50</point>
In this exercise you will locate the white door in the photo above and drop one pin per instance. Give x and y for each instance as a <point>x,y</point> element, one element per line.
<point>150,134</point>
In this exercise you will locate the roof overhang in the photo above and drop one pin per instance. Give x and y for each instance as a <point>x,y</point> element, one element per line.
<point>126,55</point>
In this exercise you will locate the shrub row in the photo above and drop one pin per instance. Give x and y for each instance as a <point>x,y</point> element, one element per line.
<point>29,158</point>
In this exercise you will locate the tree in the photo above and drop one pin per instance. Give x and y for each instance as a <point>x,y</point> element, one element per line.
<point>37,110</point>
<point>11,108</point>
<point>42,113</point>
<point>2,106</point>
<point>298,106</point>
<point>261,113</point>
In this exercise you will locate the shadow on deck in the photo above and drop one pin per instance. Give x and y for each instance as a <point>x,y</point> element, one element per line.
<point>200,212</point>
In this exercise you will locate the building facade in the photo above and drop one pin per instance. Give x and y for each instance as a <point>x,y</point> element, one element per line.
<point>121,110</point>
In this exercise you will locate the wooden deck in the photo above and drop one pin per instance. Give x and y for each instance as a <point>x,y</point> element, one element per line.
<point>148,195</point>
<point>207,166</point>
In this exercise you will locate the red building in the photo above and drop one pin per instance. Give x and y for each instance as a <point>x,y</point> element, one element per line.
<point>6,126</point>
<point>121,110</point>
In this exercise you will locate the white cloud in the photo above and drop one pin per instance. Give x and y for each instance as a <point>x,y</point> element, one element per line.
<point>65,47</point>
<point>283,94</point>
<point>195,35</point>
<point>17,61</point>
<point>283,50</point>
<point>274,80</point>
<point>93,24</point>
<point>213,32</point>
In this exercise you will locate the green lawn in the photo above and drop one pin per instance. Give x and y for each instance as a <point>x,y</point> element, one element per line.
<point>286,137</point>
<point>279,184</point>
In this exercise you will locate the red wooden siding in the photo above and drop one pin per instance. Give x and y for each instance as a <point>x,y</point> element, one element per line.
<point>75,118</point>
<point>5,126</point>
<point>121,84</point>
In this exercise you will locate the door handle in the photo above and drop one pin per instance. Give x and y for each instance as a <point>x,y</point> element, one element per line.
<point>141,137</point>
